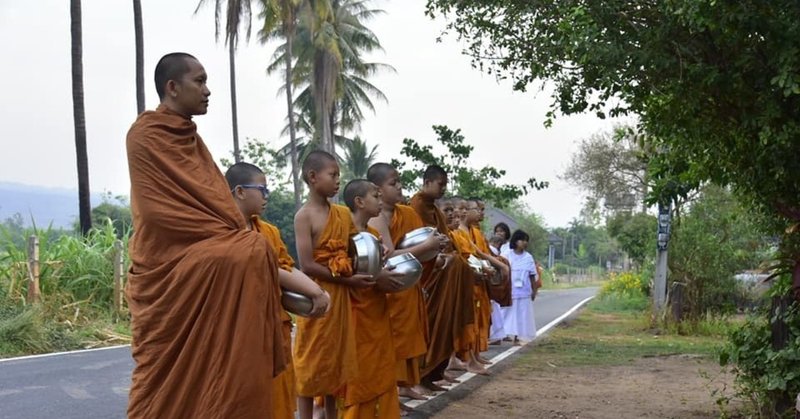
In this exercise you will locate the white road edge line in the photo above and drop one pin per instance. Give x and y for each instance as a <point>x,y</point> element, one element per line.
<point>80,351</point>
<point>499,357</point>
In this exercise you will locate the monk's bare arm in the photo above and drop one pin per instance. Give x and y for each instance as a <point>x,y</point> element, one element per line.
<point>379,224</point>
<point>297,281</point>
<point>305,249</point>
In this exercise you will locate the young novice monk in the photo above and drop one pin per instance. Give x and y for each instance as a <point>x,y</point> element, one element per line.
<point>325,348</point>
<point>373,392</point>
<point>469,340</point>
<point>249,187</point>
<point>407,308</point>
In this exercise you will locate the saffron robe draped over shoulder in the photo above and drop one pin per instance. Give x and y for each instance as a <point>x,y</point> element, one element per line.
<point>409,317</point>
<point>372,393</point>
<point>202,288</point>
<point>284,394</point>
<point>483,306</point>
<point>325,347</point>
<point>449,293</point>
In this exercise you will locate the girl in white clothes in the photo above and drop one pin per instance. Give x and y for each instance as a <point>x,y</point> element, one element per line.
<point>518,319</point>
<point>501,230</point>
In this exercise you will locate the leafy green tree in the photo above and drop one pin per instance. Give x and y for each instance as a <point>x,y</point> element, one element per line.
<point>636,235</point>
<point>715,85</point>
<point>713,240</point>
<point>612,168</point>
<point>463,179</point>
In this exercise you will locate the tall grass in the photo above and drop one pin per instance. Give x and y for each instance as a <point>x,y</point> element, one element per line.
<point>76,282</point>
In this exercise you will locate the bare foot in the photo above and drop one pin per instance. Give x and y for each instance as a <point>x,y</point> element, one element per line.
<point>420,389</point>
<point>456,364</point>
<point>482,360</point>
<point>450,379</point>
<point>477,368</point>
<point>405,408</point>
<point>443,384</point>
<point>430,385</point>
<point>410,393</point>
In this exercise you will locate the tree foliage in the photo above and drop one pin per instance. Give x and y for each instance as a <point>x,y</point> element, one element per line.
<point>716,84</point>
<point>611,167</point>
<point>636,235</point>
<point>463,179</point>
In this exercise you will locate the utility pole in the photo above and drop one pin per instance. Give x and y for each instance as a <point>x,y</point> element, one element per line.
<point>660,282</point>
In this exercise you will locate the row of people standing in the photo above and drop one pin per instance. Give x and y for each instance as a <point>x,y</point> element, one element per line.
<point>209,336</point>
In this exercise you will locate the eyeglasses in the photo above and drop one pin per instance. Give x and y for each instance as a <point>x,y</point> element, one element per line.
<point>262,188</point>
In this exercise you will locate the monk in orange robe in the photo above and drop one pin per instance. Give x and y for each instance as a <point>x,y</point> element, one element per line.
<point>325,348</point>
<point>407,308</point>
<point>469,342</point>
<point>448,285</point>
<point>202,288</point>
<point>249,187</point>
<point>373,392</point>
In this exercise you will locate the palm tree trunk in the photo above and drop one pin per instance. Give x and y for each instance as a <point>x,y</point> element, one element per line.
<point>290,110</point>
<point>84,204</point>
<point>138,31</point>
<point>325,72</point>
<point>234,115</point>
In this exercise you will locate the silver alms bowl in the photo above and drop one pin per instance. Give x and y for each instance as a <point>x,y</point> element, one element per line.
<point>296,303</point>
<point>366,253</point>
<point>407,264</point>
<point>417,236</point>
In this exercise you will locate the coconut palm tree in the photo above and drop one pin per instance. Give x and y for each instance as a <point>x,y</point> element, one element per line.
<point>138,32</point>
<point>358,157</point>
<point>280,18</point>
<point>237,13</point>
<point>351,90</point>
<point>79,117</point>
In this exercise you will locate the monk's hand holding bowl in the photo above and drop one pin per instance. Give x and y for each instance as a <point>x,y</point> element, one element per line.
<point>321,303</point>
<point>359,280</point>
<point>389,281</point>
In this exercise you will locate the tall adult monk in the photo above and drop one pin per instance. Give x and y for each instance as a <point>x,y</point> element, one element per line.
<point>449,288</point>
<point>409,318</point>
<point>202,287</point>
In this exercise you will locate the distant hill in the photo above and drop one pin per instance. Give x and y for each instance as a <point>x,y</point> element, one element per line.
<point>45,205</point>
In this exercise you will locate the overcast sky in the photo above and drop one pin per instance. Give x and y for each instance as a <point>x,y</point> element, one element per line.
<point>434,84</point>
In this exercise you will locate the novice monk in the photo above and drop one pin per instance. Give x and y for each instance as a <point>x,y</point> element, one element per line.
<point>249,187</point>
<point>372,393</point>
<point>202,288</point>
<point>471,227</point>
<point>325,348</point>
<point>407,308</point>
<point>468,344</point>
<point>449,288</point>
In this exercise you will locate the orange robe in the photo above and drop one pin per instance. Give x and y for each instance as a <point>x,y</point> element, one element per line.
<point>449,293</point>
<point>284,395</point>
<point>373,392</point>
<point>484,306</point>
<point>202,288</point>
<point>407,309</point>
<point>468,340</point>
<point>325,347</point>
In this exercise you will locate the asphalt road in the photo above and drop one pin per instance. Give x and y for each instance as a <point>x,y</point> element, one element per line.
<point>94,384</point>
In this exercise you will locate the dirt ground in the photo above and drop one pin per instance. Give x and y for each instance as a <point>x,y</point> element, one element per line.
<point>677,386</point>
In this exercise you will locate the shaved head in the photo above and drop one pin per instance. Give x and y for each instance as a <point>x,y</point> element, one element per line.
<point>316,161</point>
<point>356,188</point>
<point>434,172</point>
<point>242,174</point>
<point>378,173</point>
<point>172,66</point>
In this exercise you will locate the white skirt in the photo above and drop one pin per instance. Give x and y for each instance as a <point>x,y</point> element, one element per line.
<point>518,319</point>
<point>497,331</point>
